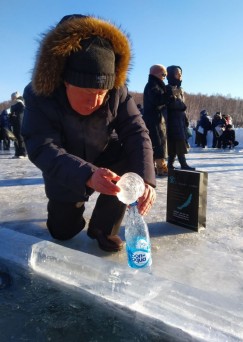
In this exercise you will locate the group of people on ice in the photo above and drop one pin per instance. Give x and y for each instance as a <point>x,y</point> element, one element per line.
<point>221,127</point>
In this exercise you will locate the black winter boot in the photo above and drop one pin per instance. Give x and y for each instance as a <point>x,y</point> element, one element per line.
<point>182,161</point>
<point>171,160</point>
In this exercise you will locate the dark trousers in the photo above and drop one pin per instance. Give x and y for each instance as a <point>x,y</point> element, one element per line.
<point>65,219</point>
<point>216,140</point>
<point>204,139</point>
<point>229,143</point>
<point>5,139</point>
<point>19,144</point>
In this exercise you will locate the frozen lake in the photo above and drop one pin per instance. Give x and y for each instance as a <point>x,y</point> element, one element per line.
<point>194,291</point>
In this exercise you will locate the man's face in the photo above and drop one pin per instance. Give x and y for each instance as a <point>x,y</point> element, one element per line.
<point>178,74</point>
<point>85,100</point>
<point>158,72</point>
<point>161,75</point>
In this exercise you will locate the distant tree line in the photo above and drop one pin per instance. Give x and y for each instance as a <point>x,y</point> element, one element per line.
<point>195,103</point>
<point>213,104</point>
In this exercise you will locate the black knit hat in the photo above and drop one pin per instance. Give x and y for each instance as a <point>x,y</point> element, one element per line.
<point>171,69</point>
<point>203,112</point>
<point>63,55</point>
<point>93,66</point>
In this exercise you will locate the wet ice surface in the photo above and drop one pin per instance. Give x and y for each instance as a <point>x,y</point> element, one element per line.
<point>210,261</point>
<point>33,312</point>
<point>199,259</point>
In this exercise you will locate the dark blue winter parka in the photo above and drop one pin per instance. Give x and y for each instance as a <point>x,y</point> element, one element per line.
<point>68,147</point>
<point>177,121</point>
<point>155,114</point>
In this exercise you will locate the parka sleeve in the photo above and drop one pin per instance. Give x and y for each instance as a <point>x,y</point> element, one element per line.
<point>43,140</point>
<point>135,139</point>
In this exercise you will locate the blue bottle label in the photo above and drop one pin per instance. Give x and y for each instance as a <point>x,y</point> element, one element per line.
<point>140,256</point>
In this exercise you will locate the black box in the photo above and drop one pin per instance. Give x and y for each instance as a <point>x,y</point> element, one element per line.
<point>187,198</point>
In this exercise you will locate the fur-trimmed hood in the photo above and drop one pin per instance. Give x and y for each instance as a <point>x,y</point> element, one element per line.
<point>59,42</point>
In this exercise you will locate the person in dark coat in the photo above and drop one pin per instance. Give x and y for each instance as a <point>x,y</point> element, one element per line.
<point>218,126</point>
<point>228,137</point>
<point>155,115</point>
<point>16,120</point>
<point>177,121</point>
<point>4,125</point>
<point>216,121</point>
<point>205,123</point>
<point>83,129</point>
<point>198,136</point>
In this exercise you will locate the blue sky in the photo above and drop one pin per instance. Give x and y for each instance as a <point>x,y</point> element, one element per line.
<point>204,37</point>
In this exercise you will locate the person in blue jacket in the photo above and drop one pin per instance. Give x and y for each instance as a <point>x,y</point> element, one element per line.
<point>82,128</point>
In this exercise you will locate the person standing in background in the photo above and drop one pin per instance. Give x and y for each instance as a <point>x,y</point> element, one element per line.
<point>216,121</point>
<point>198,135</point>
<point>155,115</point>
<point>4,125</point>
<point>177,121</point>
<point>16,120</point>
<point>205,123</point>
<point>218,126</point>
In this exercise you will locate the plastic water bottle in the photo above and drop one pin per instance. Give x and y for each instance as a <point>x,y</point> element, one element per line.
<point>137,238</point>
<point>136,230</point>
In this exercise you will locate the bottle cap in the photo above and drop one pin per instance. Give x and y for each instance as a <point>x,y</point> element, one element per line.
<point>133,204</point>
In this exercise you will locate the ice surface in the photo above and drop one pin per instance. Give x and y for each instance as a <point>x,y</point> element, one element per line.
<point>195,286</point>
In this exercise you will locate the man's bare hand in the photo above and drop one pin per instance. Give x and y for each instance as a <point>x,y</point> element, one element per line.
<point>102,181</point>
<point>146,201</point>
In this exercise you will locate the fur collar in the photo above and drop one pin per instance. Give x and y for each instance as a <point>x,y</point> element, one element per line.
<point>59,42</point>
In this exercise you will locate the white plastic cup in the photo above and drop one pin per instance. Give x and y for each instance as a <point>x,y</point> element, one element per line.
<point>132,187</point>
